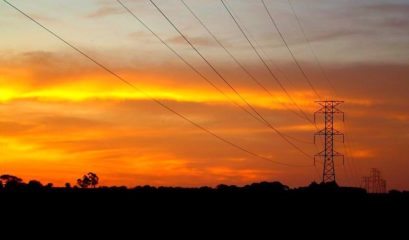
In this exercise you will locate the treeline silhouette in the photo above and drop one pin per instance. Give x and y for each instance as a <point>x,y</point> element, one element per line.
<point>266,208</point>
<point>90,181</point>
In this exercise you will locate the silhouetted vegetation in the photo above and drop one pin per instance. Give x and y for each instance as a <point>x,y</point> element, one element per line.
<point>34,184</point>
<point>89,180</point>
<point>10,181</point>
<point>260,205</point>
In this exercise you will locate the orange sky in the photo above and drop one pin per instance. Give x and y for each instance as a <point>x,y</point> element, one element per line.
<point>61,116</point>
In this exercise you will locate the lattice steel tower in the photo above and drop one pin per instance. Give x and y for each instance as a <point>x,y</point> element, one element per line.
<point>329,109</point>
<point>374,183</point>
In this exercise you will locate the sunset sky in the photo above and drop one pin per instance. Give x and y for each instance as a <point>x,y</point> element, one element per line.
<point>62,116</point>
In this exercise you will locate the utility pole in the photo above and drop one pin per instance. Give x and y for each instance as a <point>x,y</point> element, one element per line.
<point>328,109</point>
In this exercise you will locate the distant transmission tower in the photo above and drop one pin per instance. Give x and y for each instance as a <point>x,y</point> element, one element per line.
<point>329,109</point>
<point>374,183</point>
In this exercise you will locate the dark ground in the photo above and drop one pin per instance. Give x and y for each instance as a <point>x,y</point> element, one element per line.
<point>258,211</point>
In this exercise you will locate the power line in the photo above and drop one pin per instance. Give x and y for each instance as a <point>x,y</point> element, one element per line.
<point>200,54</point>
<point>258,46</point>
<point>242,67</point>
<point>146,94</point>
<point>190,65</point>
<point>290,51</point>
<point>265,55</point>
<point>263,121</point>
<point>177,54</point>
<point>228,83</point>
<point>267,59</point>
<point>300,25</point>
<point>251,76</point>
<point>184,60</point>
<point>263,61</point>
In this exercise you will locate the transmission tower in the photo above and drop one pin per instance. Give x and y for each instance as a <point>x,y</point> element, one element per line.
<point>374,183</point>
<point>328,109</point>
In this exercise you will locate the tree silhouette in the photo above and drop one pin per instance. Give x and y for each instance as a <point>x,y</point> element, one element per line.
<point>89,180</point>
<point>84,182</point>
<point>94,179</point>
<point>10,181</point>
<point>9,178</point>
<point>34,184</point>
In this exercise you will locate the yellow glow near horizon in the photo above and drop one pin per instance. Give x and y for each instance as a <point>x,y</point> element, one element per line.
<point>99,88</point>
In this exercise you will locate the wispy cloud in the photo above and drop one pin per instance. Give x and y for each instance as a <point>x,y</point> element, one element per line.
<point>389,7</point>
<point>338,34</point>
<point>44,18</point>
<point>203,41</point>
<point>104,11</point>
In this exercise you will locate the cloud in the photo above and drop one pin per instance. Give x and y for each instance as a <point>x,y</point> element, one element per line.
<point>394,15</point>
<point>104,11</point>
<point>8,128</point>
<point>396,23</point>
<point>69,122</point>
<point>139,35</point>
<point>201,41</point>
<point>148,143</point>
<point>44,18</point>
<point>44,67</point>
<point>362,153</point>
<point>389,7</point>
<point>338,34</point>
